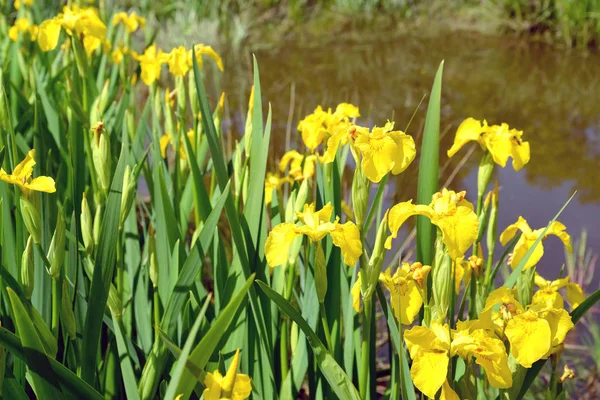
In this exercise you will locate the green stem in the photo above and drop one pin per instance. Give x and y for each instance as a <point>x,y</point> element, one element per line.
<point>56,294</point>
<point>365,359</point>
<point>326,327</point>
<point>283,349</point>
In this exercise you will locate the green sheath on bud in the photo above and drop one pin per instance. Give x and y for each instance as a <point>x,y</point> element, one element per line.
<point>181,94</point>
<point>301,197</point>
<point>360,197</point>
<point>248,127</point>
<point>31,216</point>
<point>97,224</point>
<point>27,269</point>
<point>153,259</point>
<point>127,195</point>
<point>66,313</point>
<point>370,272</point>
<point>441,287</point>
<point>114,301</point>
<point>237,169</point>
<point>101,156</point>
<point>87,232</point>
<point>56,253</point>
<point>484,174</point>
<point>194,103</point>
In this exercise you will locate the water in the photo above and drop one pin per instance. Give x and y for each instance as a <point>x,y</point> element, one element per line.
<point>553,95</point>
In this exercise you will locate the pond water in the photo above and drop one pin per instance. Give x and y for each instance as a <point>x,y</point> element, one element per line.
<point>553,95</point>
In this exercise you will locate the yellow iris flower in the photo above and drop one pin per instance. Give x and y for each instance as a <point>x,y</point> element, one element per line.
<point>150,63</point>
<point>501,141</point>
<point>529,237</point>
<point>548,293</point>
<point>432,348</point>
<point>405,287</point>
<point>22,25</point>
<point>132,21</point>
<point>180,59</point>
<point>533,333</point>
<point>75,21</point>
<point>449,211</point>
<point>295,161</point>
<point>382,150</point>
<point>167,140</point>
<point>21,176</point>
<point>321,124</point>
<point>273,181</point>
<point>25,2</point>
<point>316,225</point>
<point>232,386</point>
<point>406,290</point>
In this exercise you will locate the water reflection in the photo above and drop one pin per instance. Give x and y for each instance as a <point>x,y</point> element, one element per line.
<point>552,95</point>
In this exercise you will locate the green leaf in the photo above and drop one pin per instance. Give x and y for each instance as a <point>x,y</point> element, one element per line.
<point>512,279</point>
<point>103,273</point>
<point>45,384</point>
<point>182,359</point>
<point>125,360</point>
<point>202,352</point>
<point>429,165</point>
<point>45,365</point>
<point>333,373</point>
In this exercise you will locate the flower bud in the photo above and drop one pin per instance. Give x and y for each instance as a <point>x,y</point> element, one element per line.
<point>97,224</point>
<point>86,226</point>
<point>525,286</point>
<point>237,169</point>
<point>5,119</point>
<point>441,282</point>
<point>130,121</point>
<point>114,301</point>
<point>99,105</point>
<point>127,195</point>
<point>486,167</point>
<point>31,216</point>
<point>320,273</point>
<point>194,103</point>
<point>101,156</point>
<point>218,114</point>
<point>370,272</point>
<point>492,231</point>
<point>157,105</point>
<point>56,253</point>
<point>360,197</point>
<point>181,94</point>
<point>153,258</point>
<point>290,213</point>
<point>27,269</point>
<point>66,313</point>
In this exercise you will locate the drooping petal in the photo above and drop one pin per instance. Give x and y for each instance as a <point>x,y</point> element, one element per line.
<point>378,155</point>
<point>41,184</point>
<point>399,213</point>
<point>520,155</point>
<point>347,238</point>
<point>529,337</point>
<point>278,244</point>
<point>558,229</point>
<point>24,169</point>
<point>242,388</point>
<point>448,393</point>
<point>548,297</point>
<point>405,151</point>
<point>522,247</point>
<point>511,230</point>
<point>459,230</point>
<point>575,295</point>
<point>355,293</point>
<point>48,34</point>
<point>212,383</point>
<point>469,130</point>
<point>347,110</point>
<point>339,138</point>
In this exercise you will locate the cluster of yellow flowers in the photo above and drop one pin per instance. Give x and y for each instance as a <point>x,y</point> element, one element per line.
<point>505,327</point>
<point>84,23</point>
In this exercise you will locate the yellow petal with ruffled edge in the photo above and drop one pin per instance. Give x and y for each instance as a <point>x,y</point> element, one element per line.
<point>405,151</point>
<point>548,297</point>
<point>459,230</point>
<point>511,230</point>
<point>41,184</point>
<point>575,294</point>
<point>211,53</point>
<point>378,155</point>
<point>430,359</point>
<point>448,393</point>
<point>316,223</point>
<point>212,383</point>
<point>469,130</point>
<point>398,215</point>
<point>559,230</point>
<point>48,34</point>
<point>405,298</point>
<point>338,139</point>
<point>347,110</point>
<point>278,244</point>
<point>520,153</point>
<point>242,388</point>
<point>347,238</point>
<point>355,293</point>
<point>529,337</point>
